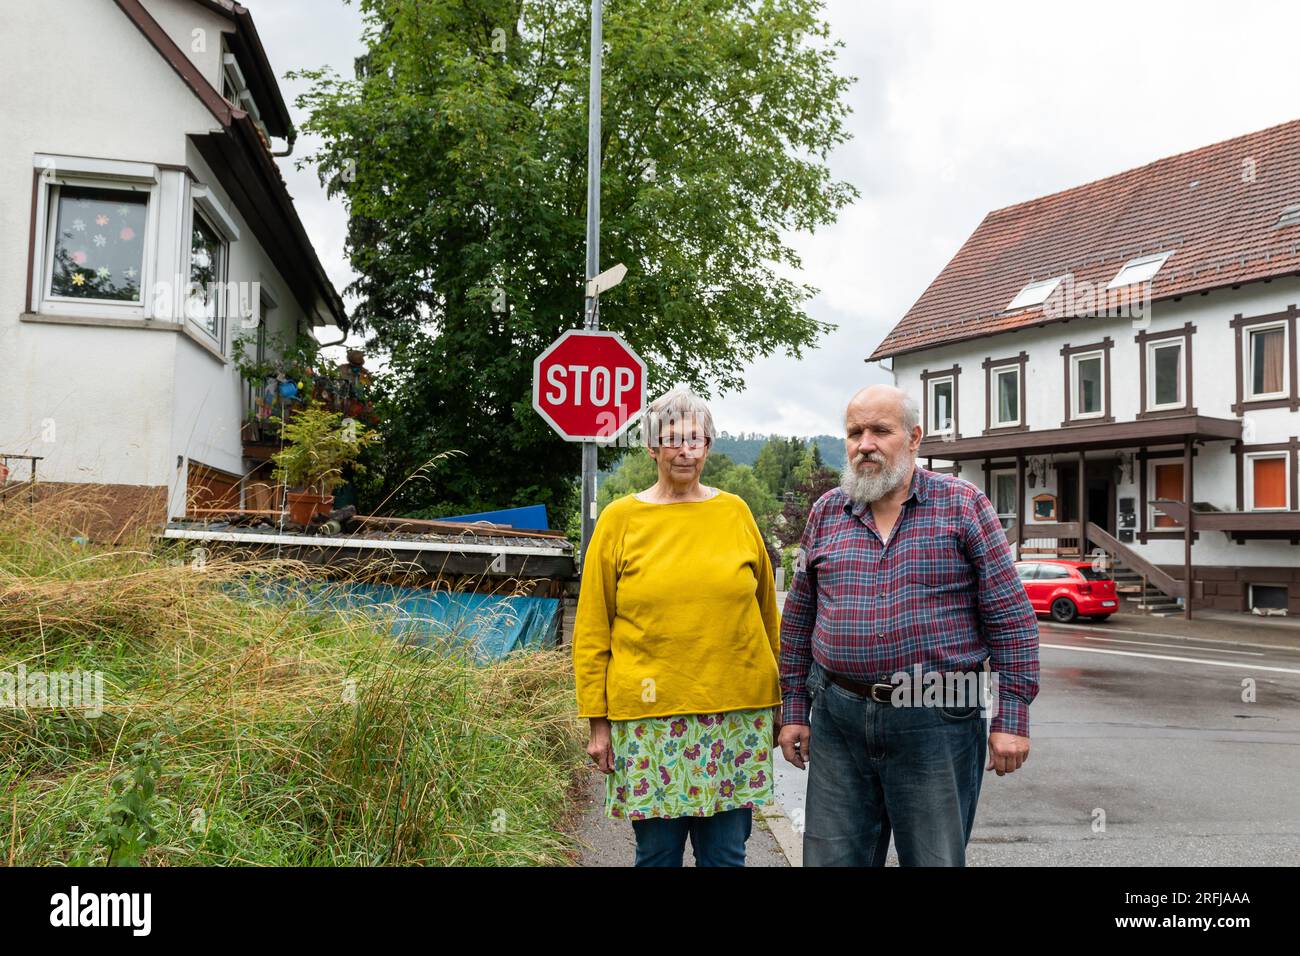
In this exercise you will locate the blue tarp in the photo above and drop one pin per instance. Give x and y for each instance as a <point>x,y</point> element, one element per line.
<point>492,625</point>
<point>529,518</point>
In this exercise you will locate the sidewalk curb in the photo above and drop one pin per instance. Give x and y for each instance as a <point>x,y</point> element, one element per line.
<point>778,824</point>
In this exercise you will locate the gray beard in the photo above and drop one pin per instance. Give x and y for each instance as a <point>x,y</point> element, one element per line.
<point>864,489</point>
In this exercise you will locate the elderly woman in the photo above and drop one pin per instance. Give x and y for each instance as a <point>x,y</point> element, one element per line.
<point>675,646</point>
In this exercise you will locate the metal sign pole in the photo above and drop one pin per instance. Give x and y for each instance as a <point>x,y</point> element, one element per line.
<point>591,311</point>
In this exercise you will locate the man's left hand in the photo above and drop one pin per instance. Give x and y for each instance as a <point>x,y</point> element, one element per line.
<point>1007,753</point>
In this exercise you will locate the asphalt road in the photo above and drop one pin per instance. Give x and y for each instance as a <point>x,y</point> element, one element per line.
<point>1147,725</point>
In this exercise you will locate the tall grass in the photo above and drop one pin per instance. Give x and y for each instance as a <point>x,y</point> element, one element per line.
<point>286,734</point>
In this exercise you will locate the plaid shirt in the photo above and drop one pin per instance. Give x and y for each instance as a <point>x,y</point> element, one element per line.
<point>942,593</point>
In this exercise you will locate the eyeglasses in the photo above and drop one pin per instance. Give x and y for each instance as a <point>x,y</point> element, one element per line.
<point>693,444</point>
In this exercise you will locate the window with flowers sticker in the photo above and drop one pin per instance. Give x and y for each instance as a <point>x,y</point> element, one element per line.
<point>98,243</point>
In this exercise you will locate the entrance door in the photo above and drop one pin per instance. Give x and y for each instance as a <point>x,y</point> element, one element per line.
<point>1101,503</point>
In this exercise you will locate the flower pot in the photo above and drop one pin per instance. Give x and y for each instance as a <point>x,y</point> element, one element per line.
<point>303,505</point>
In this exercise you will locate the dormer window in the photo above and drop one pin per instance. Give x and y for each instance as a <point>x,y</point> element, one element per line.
<point>1036,293</point>
<point>235,90</point>
<point>233,85</point>
<point>1141,269</point>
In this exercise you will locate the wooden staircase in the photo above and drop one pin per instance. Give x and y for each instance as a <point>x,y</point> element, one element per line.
<point>1140,592</point>
<point>1137,581</point>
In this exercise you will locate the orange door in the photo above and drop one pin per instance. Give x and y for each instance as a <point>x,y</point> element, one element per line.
<point>1169,485</point>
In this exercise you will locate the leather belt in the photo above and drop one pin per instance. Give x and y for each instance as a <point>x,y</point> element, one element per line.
<point>880,693</point>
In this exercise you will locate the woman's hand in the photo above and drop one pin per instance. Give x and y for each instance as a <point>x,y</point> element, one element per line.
<point>599,747</point>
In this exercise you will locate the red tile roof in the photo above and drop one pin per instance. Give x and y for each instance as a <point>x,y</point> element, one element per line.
<point>1217,207</point>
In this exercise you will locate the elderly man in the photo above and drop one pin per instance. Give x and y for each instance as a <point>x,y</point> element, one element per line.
<point>902,572</point>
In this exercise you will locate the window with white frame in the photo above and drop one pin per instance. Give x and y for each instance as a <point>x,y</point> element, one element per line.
<point>97,243</point>
<point>1006,396</point>
<point>95,223</point>
<point>1268,596</point>
<point>1003,496</point>
<point>1165,375</point>
<point>1267,475</point>
<point>209,254</point>
<point>1089,393</point>
<point>1036,293</point>
<point>1141,269</point>
<point>211,231</point>
<point>1265,365</point>
<point>942,392</point>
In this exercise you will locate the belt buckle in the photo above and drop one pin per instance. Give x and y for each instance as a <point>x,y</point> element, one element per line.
<point>886,689</point>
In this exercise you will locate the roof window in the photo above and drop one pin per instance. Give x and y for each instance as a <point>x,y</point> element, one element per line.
<point>1141,269</point>
<point>1036,293</point>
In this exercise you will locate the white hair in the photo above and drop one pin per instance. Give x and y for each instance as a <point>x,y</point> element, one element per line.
<point>676,405</point>
<point>911,413</point>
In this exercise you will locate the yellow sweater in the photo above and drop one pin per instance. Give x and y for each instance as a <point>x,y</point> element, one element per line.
<point>677,612</point>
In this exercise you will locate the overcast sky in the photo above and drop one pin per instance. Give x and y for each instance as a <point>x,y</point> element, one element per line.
<point>959,108</point>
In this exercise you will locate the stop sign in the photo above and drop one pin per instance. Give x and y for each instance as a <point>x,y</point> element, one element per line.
<point>589,386</point>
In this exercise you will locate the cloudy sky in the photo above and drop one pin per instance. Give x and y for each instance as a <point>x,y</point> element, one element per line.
<point>959,108</point>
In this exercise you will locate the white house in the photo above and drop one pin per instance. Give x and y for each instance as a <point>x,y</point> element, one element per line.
<point>146,226</point>
<point>1090,354</point>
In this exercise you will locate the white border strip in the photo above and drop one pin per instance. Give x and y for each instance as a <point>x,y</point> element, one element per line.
<point>305,541</point>
<point>1245,665</point>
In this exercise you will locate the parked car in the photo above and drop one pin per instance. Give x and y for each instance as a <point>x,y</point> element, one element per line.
<point>1068,589</point>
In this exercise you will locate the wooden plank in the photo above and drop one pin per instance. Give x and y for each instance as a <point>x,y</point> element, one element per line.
<point>399,525</point>
<point>451,527</point>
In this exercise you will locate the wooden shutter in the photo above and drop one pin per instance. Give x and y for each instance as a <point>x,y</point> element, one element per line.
<point>1269,475</point>
<point>1169,485</point>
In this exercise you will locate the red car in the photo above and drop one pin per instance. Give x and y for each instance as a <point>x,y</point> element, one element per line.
<point>1068,589</point>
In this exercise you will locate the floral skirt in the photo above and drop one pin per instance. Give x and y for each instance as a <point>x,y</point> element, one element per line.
<point>691,765</point>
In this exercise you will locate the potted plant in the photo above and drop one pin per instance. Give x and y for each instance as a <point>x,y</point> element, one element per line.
<point>318,444</point>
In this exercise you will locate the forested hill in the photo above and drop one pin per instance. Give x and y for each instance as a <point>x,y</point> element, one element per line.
<point>743,448</point>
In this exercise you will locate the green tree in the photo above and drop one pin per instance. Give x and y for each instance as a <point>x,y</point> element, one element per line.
<point>638,471</point>
<point>810,463</point>
<point>777,461</point>
<point>460,150</point>
<point>742,481</point>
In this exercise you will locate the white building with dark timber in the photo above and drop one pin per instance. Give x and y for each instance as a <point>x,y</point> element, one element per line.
<point>138,164</point>
<point>1116,366</point>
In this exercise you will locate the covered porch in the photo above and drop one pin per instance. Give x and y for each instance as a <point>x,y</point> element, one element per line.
<point>1086,465</point>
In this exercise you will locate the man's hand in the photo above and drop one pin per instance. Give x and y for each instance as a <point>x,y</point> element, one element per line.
<point>796,744</point>
<point>599,747</point>
<point>1007,753</point>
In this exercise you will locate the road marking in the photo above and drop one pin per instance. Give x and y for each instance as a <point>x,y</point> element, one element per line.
<point>1203,650</point>
<point>1198,640</point>
<point>1249,665</point>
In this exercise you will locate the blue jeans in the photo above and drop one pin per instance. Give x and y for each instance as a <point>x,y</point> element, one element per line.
<point>877,768</point>
<point>718,840</point>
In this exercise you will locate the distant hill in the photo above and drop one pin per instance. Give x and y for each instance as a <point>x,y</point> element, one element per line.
<point>743,449</point>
